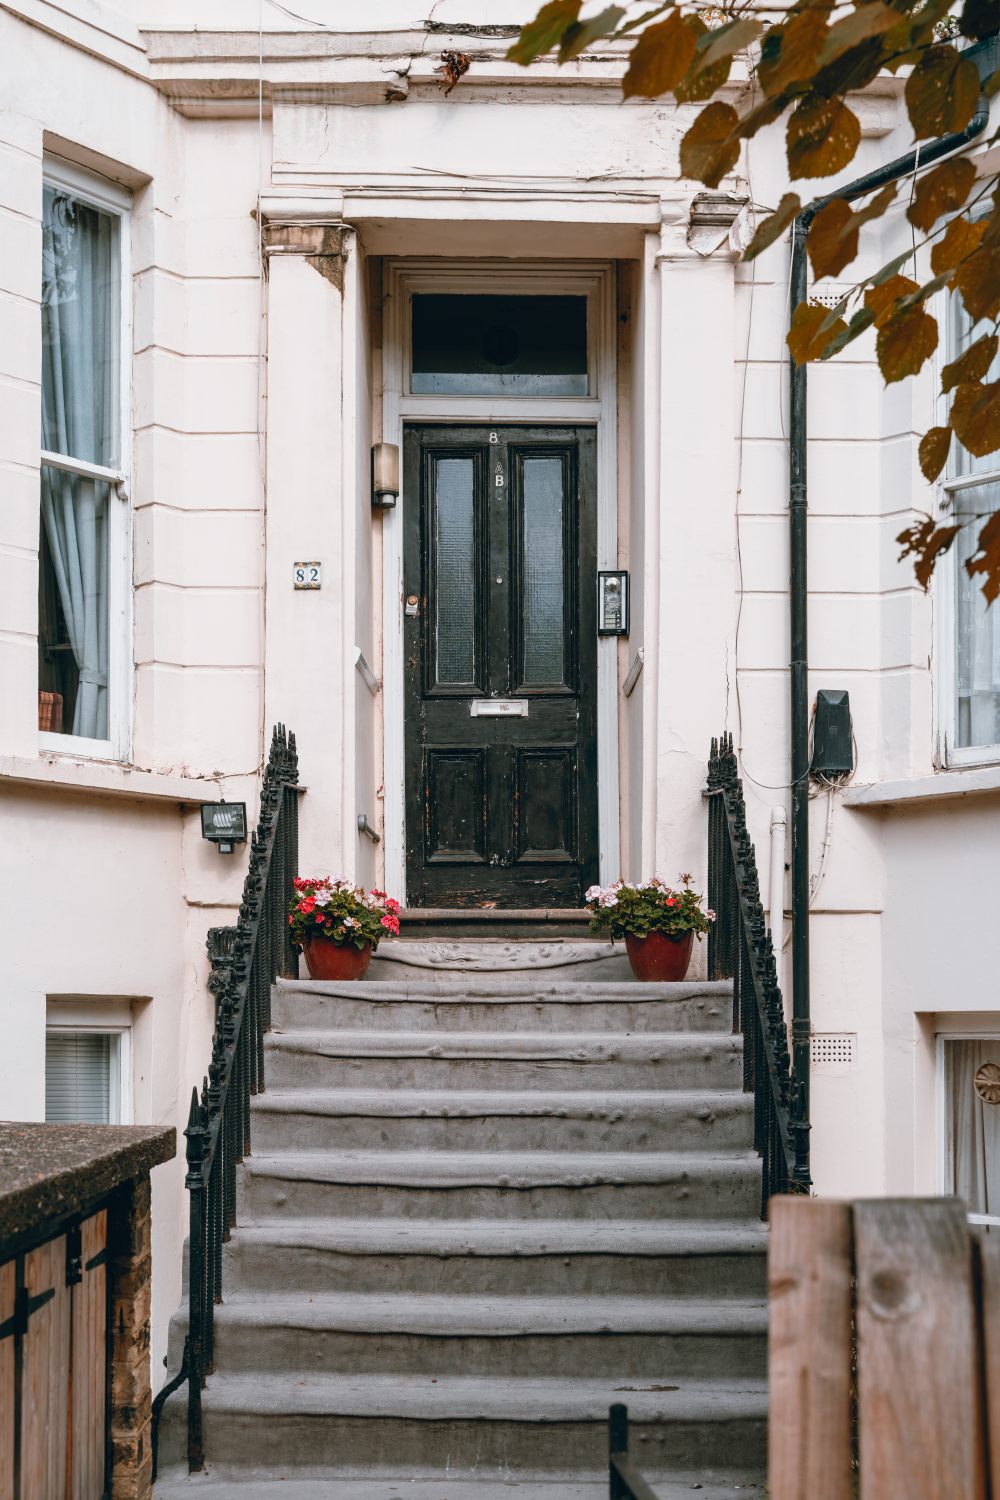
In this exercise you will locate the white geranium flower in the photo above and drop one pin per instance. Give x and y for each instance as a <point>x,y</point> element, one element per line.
<point>594,893</point>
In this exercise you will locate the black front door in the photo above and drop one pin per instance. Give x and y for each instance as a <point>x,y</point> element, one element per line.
<point>500,630</point>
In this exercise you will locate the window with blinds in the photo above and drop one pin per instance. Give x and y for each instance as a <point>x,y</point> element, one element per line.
<point>81,1077</point>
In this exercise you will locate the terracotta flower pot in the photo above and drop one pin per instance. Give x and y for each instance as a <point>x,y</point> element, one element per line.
<point>659,958</point>
<point>326,959</point>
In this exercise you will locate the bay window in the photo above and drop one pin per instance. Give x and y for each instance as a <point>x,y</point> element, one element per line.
<point>84,574</point>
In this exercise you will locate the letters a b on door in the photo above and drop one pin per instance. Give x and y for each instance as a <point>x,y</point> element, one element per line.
<point>500,637</point>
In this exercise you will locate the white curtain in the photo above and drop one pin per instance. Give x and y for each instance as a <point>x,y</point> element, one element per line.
<point>974,1128</point>
<point>80,327</point>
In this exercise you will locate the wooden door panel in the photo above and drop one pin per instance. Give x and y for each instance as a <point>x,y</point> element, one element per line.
<point>89,1372</point>
<point>46,1362</point>
<point>500,665</point>
<point>8,1283</point>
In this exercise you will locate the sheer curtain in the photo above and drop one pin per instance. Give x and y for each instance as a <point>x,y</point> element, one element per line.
<point>80,328</point>
<point>974,1127</point>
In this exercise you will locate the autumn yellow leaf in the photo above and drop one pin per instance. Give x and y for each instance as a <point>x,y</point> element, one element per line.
<point>660,58</point>
<point>933,451</point>
<point>959,240</point>
<point>975,417</point>
<point>883,297</point>
<point>711,147</point>
<point>941,93</point>
<point>973,364</point>
<point>906,340</point>
<point>811,332</point>
<point>769,229</point>
<point>941,192</point>
<point>822,137</point>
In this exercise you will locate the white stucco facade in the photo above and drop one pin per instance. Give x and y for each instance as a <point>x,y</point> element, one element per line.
<point>285,180</point>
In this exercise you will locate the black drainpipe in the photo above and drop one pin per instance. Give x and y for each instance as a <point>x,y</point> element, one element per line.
<point>984,55</point>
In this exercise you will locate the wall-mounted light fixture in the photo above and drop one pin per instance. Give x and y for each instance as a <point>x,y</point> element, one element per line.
<point>224,823</point>
<point>385,475</point>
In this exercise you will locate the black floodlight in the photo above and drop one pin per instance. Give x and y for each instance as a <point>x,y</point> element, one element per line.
<point>224,823</point>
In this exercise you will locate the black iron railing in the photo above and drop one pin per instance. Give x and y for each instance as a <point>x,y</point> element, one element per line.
<point>246,959</point>
<point>739,948</point>
<point>624,1480</point>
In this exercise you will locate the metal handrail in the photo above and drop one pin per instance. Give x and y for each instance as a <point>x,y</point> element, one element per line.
<point>624,1480</point>
<point>739,948</point>
<point>246,960</point>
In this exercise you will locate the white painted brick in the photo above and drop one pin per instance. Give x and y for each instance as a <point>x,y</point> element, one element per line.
<point>197,722</point>
<point>843,632</point>
<point>20,339</point>
<point>20,256</point>
<point>20,422</point>
<point>211,471</point>
<point>22,131</point>
<point>19,694</point>
<point>194,395</point>
<point>20,182</point>
<point>197,627</point>
<point>19,507</point>
<point>907,630</point>
<point>19,591</point>
<point>196,317</point>
<point>222,549</point>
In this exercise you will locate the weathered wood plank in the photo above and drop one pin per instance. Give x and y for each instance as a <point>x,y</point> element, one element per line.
<point>45,1375</point>
<point>89,1366</point>
<point>809,1271</point>
<point>919,1419</point>
<point>7,1282</point>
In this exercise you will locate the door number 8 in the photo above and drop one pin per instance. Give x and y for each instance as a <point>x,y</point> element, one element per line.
<point>307,575</point>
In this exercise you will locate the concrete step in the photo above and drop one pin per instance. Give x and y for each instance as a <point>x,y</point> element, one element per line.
<point>492,1257</point>
<point>220,1483</point>
<point>400,1333</point>
<point>505,958</point>
<point>480,1119</point>
<point>476,1002</point>
<point>501,1185</point>
<point>420,1427</point>
<point>471,1060</point>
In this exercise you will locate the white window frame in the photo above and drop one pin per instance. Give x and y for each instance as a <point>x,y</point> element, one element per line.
<point>982,1034</point>
<point>945,603</point>
<point>71,1017</point>
<point>596,281</point>
<point>110,198</point>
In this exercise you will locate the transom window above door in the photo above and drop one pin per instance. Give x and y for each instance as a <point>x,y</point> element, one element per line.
<point>474,344</point>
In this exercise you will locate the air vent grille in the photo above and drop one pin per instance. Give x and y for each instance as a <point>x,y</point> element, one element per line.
<point>834,1049</point>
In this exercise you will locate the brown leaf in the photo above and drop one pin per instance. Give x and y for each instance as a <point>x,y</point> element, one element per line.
<point>807,338</point>
<point>941,192</point>
<point>578,37</point>
<point>905,341</point>
<point>711,147</point>
<point>660,58</point>
<point>789,53</point>
<point>975,417</point>
<point>933,452</point>
<point>872,19</point>
<point>959,240</point>
<point>926,542</point>
<point>979,19</point>
<point>987,558</point>
<point>861,319</point>
<point>833,236</point>
<point>973,364</point>
<point>882,297</point>
<point>977,278</point>
<point>941,92</point>
<point>769,229</point>
<point>545,31</point>
<point>700,83</point>
<point>725,41</point>
<point>823,135</point>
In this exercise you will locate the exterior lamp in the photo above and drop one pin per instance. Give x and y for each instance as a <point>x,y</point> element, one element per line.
<point>224,823</point>
<point>385,475</point>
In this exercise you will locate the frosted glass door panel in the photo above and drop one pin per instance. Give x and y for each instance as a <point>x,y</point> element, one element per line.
<point>543,571</point>
<point>454,609</point>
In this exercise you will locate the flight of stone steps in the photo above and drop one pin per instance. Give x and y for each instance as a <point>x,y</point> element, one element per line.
<point>481,1207</point>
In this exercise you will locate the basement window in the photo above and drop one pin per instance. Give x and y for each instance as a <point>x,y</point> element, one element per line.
<point>972,1125</point>
<point>481,345</point>
<point>88,1062</point>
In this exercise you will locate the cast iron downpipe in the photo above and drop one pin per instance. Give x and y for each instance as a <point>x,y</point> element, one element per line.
<point>983,54</point>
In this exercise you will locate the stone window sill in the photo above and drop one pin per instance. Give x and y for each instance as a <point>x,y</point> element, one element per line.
<point>918,790</point>
<point>103,778</point>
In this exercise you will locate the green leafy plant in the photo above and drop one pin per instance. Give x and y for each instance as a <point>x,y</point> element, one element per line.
<point>342,912</point>
<point>637,910</point>
<point>801,69</point>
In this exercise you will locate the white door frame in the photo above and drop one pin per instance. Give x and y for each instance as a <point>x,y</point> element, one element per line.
<point>986,1033</point>
<point>596,281</point>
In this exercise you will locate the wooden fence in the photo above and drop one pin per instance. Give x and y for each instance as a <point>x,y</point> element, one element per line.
<point>884,1352</point>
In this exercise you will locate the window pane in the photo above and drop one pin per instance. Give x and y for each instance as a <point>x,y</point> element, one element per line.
<point>977,626</point>
<point>78,1078</point>
<point>972,1083</point>
<point>73,610</point>
<point>495,346</point>
<point>543,571</point>
<point>455,569</point>
<point>81,327</point>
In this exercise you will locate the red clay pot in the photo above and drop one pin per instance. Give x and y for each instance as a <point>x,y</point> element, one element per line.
<point>328,960</point>
<point>658,958</point>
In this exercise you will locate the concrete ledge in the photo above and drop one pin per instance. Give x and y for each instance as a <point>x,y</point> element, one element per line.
<point>104,778</point>
<point>925,789</point>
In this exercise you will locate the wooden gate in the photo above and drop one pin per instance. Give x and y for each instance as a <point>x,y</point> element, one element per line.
<point>54,1366</point>
<point>884,1351</point>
